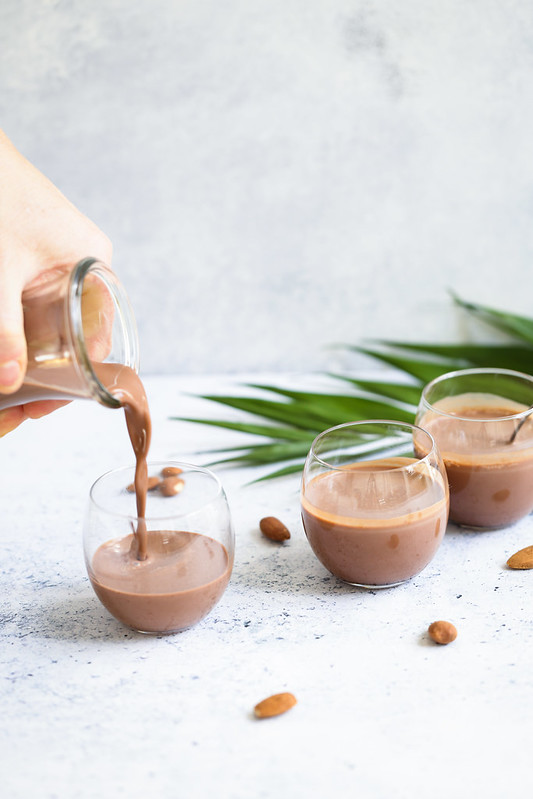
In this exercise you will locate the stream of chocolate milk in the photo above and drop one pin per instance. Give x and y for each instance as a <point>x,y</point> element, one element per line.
<point>157,580</point>
<point>127,387</point>
<point>64,382</point>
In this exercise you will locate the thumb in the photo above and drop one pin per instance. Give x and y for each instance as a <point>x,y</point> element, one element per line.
<point>12,339</point>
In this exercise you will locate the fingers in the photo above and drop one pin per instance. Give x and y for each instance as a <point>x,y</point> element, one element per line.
<point>40,230</point>
<point>34,410</point>
<point>12,340</point>
<point>10,418</point>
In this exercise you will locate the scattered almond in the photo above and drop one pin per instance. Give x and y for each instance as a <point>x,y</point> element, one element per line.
<point>274,705</point>
<point>442,632</point>
<point>171,471</point>
<point>153,482</point>
<point>523,559</point>
<point>274,529</point>
<point>171,486</point>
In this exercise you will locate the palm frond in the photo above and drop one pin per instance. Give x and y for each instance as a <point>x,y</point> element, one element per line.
<point>294,468</point>
<point>520,327</point>
<point>353,407</point>
<point>269,409</point>
<point>289,420</point>
<point>505,356</point>
<point>409,394</point>
<point>270,431</point>
<point>269,453</point>
<point>423,369</point>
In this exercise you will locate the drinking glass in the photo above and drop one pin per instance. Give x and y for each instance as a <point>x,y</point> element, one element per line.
<point>482,421</point>
<point>374,511</point>
<point>164,573</point>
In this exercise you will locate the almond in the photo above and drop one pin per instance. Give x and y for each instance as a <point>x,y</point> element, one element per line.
<point>442,632</point>
<point>274,529</point>
<point>171,471</point>
<point>153,482</point>
<point>523,559</point>
<point>274,705</point>
<point>171,486</point>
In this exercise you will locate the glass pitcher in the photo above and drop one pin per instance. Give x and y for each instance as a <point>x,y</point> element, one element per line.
<point>73,321</point>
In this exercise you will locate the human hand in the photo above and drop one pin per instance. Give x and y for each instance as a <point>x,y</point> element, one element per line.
<point>39,230</point>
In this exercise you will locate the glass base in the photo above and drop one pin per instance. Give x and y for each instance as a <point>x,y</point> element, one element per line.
<point>162,632</point>
<point>478,528</point>
<point>375,587</point>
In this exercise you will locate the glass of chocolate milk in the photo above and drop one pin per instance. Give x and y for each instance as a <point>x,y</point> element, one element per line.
<point>482,421</point>
<point>166,571</point>
<point>374,510</point>
<point>76,321</point>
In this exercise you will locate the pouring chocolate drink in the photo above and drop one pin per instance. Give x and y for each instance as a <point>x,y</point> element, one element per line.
<point>82,343</point>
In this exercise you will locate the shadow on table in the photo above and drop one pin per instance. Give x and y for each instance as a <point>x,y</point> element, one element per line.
<point>75,614</point>
<point>289,568</point>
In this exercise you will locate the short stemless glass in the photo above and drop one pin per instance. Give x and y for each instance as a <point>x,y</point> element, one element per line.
<point>177,574</point>
<point>373,510</point>
<point>482,421</point>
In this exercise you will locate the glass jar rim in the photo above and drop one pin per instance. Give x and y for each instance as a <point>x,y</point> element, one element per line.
<point>186,467</point>
<point>363,422</point>
<point>476,371</point>
<point>75,323</point>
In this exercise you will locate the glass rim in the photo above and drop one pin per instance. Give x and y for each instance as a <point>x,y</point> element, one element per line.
<point>477,371</point>
<point>75,323</point>
<point>363,422</point>
<point>187,467</point>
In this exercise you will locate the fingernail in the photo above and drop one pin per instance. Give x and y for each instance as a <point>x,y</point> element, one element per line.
<point>9,373</point>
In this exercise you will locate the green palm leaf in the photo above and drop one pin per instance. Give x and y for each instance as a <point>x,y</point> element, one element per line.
<point>269,409</point>
<point>281,433</point>
<point>259,454</point>
<point>397,392</point>
<point>503,356</point>
<point>520,327</point>
<point>283,472</point>
<point>421,368</point>
<point>289,420</point>
<point>352,407</point>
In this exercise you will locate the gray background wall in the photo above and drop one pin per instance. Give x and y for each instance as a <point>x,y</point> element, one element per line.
<point>279,175</point>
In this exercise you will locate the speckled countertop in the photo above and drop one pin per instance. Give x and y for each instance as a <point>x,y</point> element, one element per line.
<point>89,708</point>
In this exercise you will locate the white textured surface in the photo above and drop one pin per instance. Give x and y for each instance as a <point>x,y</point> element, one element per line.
<point>92,709</point>
<point>283,174</point>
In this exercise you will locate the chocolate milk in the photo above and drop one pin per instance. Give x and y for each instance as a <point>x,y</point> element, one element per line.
<point>56,382</point>
<point>175,586</point>
<point>363,531</point>
<point>154,580</point>
<point>489,467</point>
